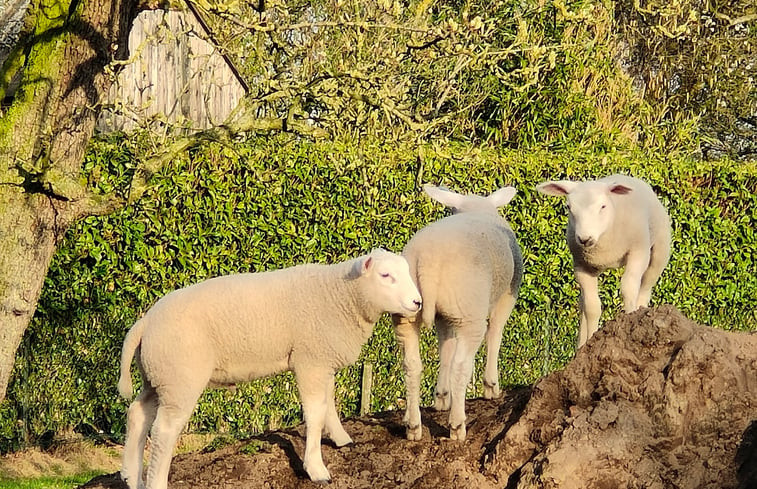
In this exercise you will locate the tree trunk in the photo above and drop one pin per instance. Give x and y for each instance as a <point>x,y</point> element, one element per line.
<point>27,238</point>
<point>43,136</point>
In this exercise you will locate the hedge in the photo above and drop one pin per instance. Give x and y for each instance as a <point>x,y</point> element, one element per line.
<point>267,204</point>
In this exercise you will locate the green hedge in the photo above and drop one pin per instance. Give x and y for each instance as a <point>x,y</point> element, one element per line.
<point>275,203</point>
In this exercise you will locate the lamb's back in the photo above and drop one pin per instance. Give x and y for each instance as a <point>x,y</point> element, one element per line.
<point>463,253</point>
<point>247,325</point>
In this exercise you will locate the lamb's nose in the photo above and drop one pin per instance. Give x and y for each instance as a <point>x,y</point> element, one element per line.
<point>418,304</point>
<point>586,241</point>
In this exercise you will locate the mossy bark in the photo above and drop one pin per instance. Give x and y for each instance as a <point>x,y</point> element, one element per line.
<point>43,136</point>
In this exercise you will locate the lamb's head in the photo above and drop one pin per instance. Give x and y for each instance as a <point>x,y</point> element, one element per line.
<point>388,283</point>
<point>459,203</point>
<point>591,210</point>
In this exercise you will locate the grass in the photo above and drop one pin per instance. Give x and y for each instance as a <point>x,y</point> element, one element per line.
<point>50,482</point>
<point>67,464</point>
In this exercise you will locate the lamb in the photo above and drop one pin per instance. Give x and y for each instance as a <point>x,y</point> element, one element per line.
<point>468,268</point>
<point>310,319</point>
<point>613,222</point>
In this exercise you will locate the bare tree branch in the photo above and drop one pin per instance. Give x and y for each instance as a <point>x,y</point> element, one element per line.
<point>238,125</point>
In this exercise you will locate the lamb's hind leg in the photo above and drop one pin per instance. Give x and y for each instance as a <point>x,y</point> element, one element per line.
<point>139,418</point>
<point>497,319</point>
<point>637,263</point>
<point>469,338</point>
<point>658,259</point>
<point>408,337</point>
<point>447,343</point>
<point>174,409</point>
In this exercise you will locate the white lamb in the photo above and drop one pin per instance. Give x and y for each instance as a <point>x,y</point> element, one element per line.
<point>311,319</point>
<point>468,268</point>
<point>616,221</point>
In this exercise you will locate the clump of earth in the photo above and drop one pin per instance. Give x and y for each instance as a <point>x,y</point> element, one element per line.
<point>653,400</point>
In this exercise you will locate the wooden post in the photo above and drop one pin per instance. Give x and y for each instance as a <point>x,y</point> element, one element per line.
<point>367,385</point>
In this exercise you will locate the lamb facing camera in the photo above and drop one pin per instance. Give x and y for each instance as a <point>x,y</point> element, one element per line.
<point>613,222</point>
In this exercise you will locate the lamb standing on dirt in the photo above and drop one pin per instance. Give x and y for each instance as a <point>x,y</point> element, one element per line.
<point>468,268</point>
<point>613,222</point>
<point>311,319</point>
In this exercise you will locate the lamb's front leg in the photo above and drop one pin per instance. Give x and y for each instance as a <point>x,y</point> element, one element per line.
<point>591,307</point>
<point>313,384</point>
<point>408,337</point>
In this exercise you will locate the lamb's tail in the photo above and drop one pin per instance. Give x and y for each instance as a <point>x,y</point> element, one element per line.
<point>131,343</point>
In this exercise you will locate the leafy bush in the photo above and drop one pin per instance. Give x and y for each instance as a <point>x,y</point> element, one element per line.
<point>271,204</point>
<point>694,58</point>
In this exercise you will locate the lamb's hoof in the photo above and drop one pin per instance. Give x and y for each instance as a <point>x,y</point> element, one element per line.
<point>457,434</point>
<point>132,482</point>
<point>318,474</point>
<point>491,391</point>
<point>341,440</point>
<point>414,433</point>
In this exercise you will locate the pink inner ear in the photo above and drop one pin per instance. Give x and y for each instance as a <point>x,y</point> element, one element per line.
<point>620,189</point>
<point>367,263</point>
<point>555,188</point>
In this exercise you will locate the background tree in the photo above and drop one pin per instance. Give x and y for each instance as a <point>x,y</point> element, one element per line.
<point>60,58</point>
<point>481,71</point>
<point>695,58</point>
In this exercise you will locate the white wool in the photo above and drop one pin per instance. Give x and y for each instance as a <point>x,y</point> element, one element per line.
<point>613,222</point>
<point>311,319</point>
<point>468,268</point>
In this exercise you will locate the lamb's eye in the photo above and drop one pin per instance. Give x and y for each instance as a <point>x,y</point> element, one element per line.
<point>603,207</point>
<point>388,276</point>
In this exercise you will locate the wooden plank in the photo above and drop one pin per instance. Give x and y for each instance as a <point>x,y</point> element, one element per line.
<point>176,76</point>
<point>365,389</point>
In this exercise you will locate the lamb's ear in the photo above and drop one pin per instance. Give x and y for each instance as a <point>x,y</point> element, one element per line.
<point>559,188</point>
<point>620,189</point>
<point>446,197</point>
<point>366,265</point>
<point>502,196</point>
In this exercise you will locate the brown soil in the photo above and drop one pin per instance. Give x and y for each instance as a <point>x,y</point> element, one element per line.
<point>652,401</point>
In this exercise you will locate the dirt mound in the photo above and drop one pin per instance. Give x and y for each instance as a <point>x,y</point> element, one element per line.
<point>653,400</point>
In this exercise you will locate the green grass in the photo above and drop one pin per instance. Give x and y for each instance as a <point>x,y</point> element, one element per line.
<point>60,482</point>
